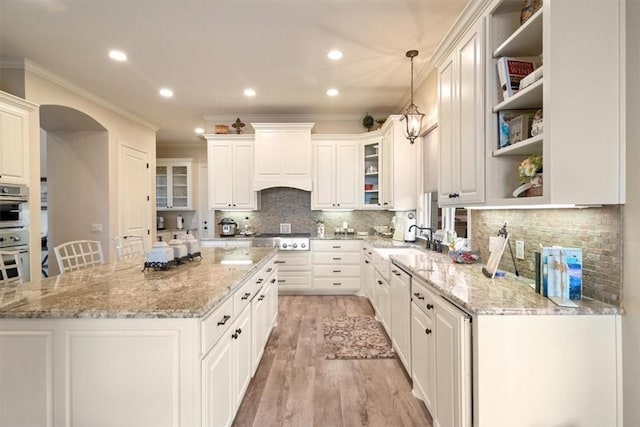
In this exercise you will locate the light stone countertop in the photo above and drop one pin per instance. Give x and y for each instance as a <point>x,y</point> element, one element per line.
<point>465,286</point>
<point>125,291</point>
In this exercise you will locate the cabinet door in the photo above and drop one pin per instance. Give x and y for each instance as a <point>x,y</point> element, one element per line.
<point>14,146</point>
<point>268,153</point>
<point>242,355</point>
<point>470,123</point>
<point>259,326</point>
<point>243,194</point>
<point>162,187</point>
<point>387,168</point>
<point>401,316</point>
<point>220,157</point>
<point>347,174</point>
<point>217,385</point>
<point>423,356</point>
<point>324,180</point>
<point>385,306</point>
<point>295,153</point>
<point>453,382</point>
<point>368,280</point>
<point>447,183</point>
<point>180,178</point>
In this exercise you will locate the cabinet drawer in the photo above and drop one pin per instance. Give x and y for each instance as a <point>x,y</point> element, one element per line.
<point>400,274</point>
<point>336,271</point>
<point>298,261</point>
<point>242,296</point>
<point>293,279</point>
<point>338,258</point>
<point>337,284</point>
<point>216,323</point>
<point>423,297</point>
<point>336,245</point>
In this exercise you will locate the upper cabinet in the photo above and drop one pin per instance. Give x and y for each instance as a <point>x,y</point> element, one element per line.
<point>336,178</point>
<point>282,155</point>
<point>174,184</point>
<point>461,121</point>
<point>399,167</point>
<point>581,95</point>
<point>372,173</point>
<point>15,121</point>
<point>230,170</point>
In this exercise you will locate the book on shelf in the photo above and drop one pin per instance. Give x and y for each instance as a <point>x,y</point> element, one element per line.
<point>506,133</point>
<point>562,273</point>
<point>511,70</point>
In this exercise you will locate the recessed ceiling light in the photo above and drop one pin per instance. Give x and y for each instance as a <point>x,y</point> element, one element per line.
<point>332,92</point>
<point>334,54</point>
<point>167,93</point>
<point>199,130</point>
<point>249,92</point>
<point>117,55</point>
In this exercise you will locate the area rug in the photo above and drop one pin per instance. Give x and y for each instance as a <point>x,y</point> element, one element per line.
<point>358,337</point>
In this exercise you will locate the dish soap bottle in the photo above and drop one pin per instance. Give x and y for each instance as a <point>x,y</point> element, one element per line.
<point>246,226</point>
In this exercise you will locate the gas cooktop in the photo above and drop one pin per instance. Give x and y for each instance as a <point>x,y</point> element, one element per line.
<point>286,235</point>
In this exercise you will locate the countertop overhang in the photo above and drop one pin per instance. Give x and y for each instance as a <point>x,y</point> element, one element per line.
<point>123,290</point>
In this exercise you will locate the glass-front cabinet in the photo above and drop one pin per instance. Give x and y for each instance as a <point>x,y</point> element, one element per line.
<point>174,184</point>
<point>372,174</point>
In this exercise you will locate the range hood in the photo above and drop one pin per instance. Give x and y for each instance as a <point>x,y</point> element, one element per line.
<point>282,155</point>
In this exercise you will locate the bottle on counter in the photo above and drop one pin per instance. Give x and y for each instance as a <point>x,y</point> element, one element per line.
<point>246,226</point>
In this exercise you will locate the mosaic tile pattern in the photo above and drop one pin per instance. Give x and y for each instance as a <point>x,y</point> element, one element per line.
<point>597,231</point>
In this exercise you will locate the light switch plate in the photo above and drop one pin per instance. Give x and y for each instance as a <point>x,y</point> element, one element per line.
<point>96,228</point>
<point>520,249</point>
<point>285,228</point>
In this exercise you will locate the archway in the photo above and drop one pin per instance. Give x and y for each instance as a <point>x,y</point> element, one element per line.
<point>74,173</point>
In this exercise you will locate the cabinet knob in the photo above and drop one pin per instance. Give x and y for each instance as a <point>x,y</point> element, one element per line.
<point>429,306</point>
<point>238,331</point>
<point>366,261</point>
<point>417,295</point>
<point>229,205</point>
<point>427,331</point>
<point>234,336</point>
<point>379,282</point>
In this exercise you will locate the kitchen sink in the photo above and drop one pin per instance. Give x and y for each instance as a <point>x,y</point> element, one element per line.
<point>387,252</point>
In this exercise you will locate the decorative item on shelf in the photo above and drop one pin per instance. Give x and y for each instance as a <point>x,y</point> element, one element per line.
<point>319,228</point>
<point>530,171</point>
<point>537,123</point>
<point>221,129</point>
<point>412,116</point>
<point>519,128</point>
<point>529,8</point>
<point>368,122</point>
<point>504,125</point>
<point>238,125</point>
<point>380,122</point>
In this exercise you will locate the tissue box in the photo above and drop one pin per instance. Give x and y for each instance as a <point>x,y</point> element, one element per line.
<point>562,273</point>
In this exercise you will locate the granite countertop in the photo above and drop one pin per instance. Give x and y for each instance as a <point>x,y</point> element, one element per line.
<point>465,286</point>
<point>122,290</point>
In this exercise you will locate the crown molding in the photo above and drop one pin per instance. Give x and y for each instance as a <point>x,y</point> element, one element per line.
<point>55,79</point>
<point>282,118</point>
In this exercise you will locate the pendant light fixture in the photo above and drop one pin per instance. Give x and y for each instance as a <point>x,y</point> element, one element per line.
<point>412,115</point>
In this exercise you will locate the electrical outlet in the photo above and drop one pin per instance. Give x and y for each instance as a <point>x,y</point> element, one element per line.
<point>96,228</point>
<point>520,249</point>
<point>285,228</point>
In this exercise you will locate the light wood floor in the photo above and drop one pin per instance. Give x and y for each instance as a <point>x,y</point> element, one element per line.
<point>296,386</point>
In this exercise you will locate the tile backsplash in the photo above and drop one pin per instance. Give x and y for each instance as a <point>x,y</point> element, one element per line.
<point>597,231</point>
<point>289,205</point>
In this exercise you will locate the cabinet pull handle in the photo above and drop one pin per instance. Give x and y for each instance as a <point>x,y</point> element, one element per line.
<point>224,320</point>
<point>417,295</point>
<point>337,271</point>
<point>366,261</point>
<point>260,280</point>
<point>279,262</point>
<point>273,280</point>
<point>269,270</point>
<point>247,295</point>
<point>261,298</point>
<point>281,280</point>
<point>337,283</point>
<point>427,331</point>
<point>429,306</point>
<point>379,282</point>
<point>336,247</point>
<point>337,259</point>
<point>238,331</point>
<point>234,336</point>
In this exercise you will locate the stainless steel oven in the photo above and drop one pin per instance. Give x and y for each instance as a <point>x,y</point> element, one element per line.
<point>14,206</point>
<point>17,240</point>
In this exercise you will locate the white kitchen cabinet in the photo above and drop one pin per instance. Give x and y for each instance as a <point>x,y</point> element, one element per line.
<point>423,357</point>
<point>336,180</point>
<point>294,272</point>
<point>174,184</point>
<point>401,315</point>
<point>461,121</point>
<point>382,299</point>
<point>262,317</point>
<point>16,118</point>
<point>581,95</point>
<point>282,155</point>
<point>372,172</point>
<point>399,167</point>
<point>336,266</point>
<point>230,173</point>
<point>368,271</point>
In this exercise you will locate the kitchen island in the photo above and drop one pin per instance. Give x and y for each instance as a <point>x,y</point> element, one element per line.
<point>113,345</point>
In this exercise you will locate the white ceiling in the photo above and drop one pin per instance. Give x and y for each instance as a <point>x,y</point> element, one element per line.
<point>209,51</point>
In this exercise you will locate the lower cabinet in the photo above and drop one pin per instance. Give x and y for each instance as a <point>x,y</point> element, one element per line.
<point>226,372</point>
<point>424,357</point>
<point>264,309</point>
<point>368,272</point>
<point>401,315</point>
<point>382,301</point>
<point>336,265</point>
<point>294,271</point>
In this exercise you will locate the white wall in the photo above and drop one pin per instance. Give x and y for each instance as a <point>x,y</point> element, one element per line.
<point>631,226</point>
<point>78,188</point>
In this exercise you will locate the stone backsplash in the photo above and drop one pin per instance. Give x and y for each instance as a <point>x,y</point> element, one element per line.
<point>597,231</point>
<point>289,205</point>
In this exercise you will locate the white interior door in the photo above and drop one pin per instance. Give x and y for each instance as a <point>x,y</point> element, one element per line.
<point>134,193</point>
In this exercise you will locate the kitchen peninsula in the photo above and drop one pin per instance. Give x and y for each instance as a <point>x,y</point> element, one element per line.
<point>113,345</point>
